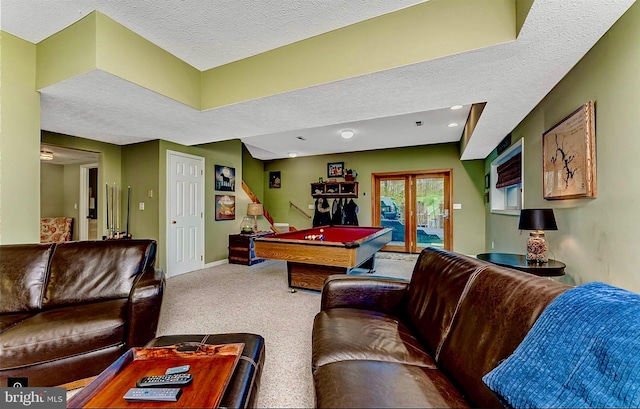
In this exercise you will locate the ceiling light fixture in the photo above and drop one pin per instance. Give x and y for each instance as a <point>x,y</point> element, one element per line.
<point>452,125</point>
<point>346,134</point>
<point>293,154</point>
<point>46,155</point>
<point>456,107</point>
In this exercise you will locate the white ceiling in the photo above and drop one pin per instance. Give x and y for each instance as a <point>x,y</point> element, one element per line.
<point>381,108</point>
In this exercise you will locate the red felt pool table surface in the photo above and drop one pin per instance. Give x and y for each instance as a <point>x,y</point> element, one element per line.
<point>309,262</point>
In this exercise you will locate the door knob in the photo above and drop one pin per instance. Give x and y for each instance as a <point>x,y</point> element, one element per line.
<point>173,222</point>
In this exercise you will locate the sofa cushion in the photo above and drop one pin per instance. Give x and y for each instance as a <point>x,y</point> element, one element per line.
<point>9,320</point>
<point>439,279</point>
<point>23,271</point>
<point>374,384</point>
<point>86,272</point>
<point>63,332</point>
<point>341,334</point>
<point>492,320</point>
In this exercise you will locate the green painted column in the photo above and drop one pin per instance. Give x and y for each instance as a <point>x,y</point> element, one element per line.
<point>19,142</point>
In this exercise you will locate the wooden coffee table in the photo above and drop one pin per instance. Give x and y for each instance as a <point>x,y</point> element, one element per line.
<point>211,366</point>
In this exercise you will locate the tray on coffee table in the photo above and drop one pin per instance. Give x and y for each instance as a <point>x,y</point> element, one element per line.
<point>210,365</point>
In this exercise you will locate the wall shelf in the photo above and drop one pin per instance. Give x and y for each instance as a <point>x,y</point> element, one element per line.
<point>334,189</point>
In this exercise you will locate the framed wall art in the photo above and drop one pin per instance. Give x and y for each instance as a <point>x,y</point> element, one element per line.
<point>335,169</point>
<point>225,178</point>
<point>275,180</point>
<point>225,207</point>
<point>569,156</point>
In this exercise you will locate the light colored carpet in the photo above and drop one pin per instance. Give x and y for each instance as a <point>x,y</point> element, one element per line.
<point>256,299</point>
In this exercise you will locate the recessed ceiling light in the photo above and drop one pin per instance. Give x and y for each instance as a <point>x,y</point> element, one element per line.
<point>456,107</point>
<point>46,155</point>
<point>293,154</point>
<point>346,134</point>
<point>452,125</point>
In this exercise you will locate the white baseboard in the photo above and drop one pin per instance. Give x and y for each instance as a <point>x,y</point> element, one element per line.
<point>216,263</point>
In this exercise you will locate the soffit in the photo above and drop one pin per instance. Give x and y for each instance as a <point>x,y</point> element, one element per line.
<point>511,78</point>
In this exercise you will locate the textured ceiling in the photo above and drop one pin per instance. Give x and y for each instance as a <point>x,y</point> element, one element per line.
<point>381,107</point>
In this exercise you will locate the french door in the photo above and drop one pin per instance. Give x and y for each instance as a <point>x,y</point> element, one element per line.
<point>417,206</point>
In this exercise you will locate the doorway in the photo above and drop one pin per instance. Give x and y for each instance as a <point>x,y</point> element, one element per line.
<point>185,213</point>
<point>65,190</point>
<point>417,206</point>
<point>88,217</point>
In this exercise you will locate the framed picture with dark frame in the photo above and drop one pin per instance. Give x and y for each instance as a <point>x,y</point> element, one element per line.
<point>335,169</point>
<point>275,179</point>
<point>225,207</point>
<point>225,178</point>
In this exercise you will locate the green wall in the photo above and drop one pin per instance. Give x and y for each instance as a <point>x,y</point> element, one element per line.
<point>468,185</point>
<point>19,142</point>
<point>140,164</point>
<point>253,173</point>
<point>68,53</point>
<point>596,238</point>
<point>51,188</point>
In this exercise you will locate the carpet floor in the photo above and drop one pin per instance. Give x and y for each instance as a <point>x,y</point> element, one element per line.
<point>257,299</point>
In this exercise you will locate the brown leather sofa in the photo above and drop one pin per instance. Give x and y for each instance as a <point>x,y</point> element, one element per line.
<point>380,342</point>
<point>68,310</point>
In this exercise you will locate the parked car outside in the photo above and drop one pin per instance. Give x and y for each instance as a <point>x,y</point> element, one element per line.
<point>389,208</point>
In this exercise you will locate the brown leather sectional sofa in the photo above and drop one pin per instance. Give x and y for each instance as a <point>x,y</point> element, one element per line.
<point>68,310</point>
<point>380,342</point>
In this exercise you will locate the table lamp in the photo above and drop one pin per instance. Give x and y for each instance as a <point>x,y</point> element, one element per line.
<point>537,220</point>
<point>255,210</point>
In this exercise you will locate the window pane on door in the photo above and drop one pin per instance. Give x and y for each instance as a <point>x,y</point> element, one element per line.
<point>430,212</point>
<point>392,207</point>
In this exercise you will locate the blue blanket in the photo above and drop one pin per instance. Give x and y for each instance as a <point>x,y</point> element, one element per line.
<point>583,351</point>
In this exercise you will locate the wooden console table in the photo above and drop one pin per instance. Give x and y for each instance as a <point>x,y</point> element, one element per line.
<point>552,268</point>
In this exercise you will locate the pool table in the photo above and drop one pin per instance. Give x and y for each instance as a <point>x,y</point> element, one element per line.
<point>309,262</point>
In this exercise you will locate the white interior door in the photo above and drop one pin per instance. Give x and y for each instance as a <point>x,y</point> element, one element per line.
<point>185,211</point>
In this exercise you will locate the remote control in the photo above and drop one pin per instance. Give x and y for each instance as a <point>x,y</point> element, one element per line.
<point>155,394</point>
<point>163,381</point>
<point>177,369</point>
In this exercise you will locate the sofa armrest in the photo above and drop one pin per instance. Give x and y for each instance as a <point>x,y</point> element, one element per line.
<point>382,294</point>
<point>144,305</point>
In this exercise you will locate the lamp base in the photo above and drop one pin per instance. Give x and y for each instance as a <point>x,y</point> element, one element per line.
<point>537,248</point>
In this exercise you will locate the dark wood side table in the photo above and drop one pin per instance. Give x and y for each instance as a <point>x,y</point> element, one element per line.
<point>242,249</point>
<point>553,268</point>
